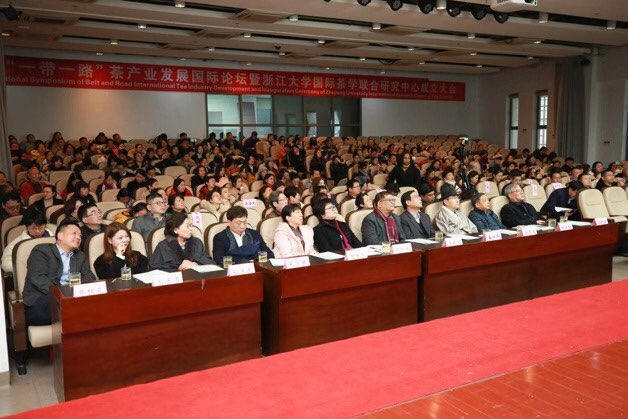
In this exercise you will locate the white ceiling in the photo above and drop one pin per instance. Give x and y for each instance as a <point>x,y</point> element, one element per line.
<point>343,24</point>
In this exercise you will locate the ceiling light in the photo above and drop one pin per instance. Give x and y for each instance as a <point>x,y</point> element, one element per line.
<point>479,66</point>
<point>6,34</point>
<point>362,59</point>
<point>99,53</point>
<point>479,13</point>
<point>501,17</point>
<point>179,3</point>
<point>471,36</point>
<point>453,10</point>
<point>141,25</point>
<point>249,63</point>
<point>321,41</point>
<point>441,4</point>
<point>377,26</point>
<point>114,42</point>
<point>473,53</point>
<point>543,17</point>
<point>327,68</point>
<point>410,48</point>
<point>211,49</point>
<point>281,53</point>
<point>538,41</point>
<point>530,57</point>
<point>247,35</point>
<point>293,18</point>
<point>395,4</point>
<point>382,72</point>
<point>364,2</point>
<point>426,6</point>
<point>421,62</point>
<point>611,24</point>
<point>182,59</point>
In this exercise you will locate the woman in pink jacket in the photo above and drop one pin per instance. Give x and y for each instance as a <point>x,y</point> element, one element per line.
<point>292,238</point>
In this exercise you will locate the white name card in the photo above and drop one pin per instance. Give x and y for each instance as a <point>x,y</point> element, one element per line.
<point>600,221</point>
<point>397,249</point>
<point>379,190</point>
<point>241,269</point>
<point>564,226</point>
<point>293,263</point>
<point>535,190</point>
<point>487,187</point>
<point>557,186</point>
<point>197,220</point>
<point>89,289</point>
<point>452,241</point>
<point>527,231</point>
<point>249,203</point>
<point>167,279</point>
<point>355,254</point>
<point>491,236</point>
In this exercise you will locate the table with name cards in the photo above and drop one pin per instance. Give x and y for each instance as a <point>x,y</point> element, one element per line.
<point>485,273</point>
<point>137,333</point>
<point>332,300</point>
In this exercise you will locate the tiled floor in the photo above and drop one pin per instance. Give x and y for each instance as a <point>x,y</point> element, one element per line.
<point>591,383</point>
<point>35,389</point>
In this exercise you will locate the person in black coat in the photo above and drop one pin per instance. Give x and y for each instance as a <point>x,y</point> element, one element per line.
<point>564,198</point>
<point>118,253</point>
<point>331,235</point>
<point>241,243</point>
<point>49,199</point>
<point>180,250</point>
<point>415,224</point>
<point>406,173</point>
<point>517,212</point>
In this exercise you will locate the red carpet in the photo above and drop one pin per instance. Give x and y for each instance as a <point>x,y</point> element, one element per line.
<point>362,374</point>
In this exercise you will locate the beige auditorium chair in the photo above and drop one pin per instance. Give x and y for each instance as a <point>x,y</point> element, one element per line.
<point>337,189</point>
<point>7,225</point>
<point>592,205</point>
<point>191,201</point>
<point>256,185</point>
<point>616,201</point>
<point>109,205</point>
<point>398,210</point>
<point>267,229</point>
<point>432,210</point>
<point>497,203</point>
<point>535,196</point>
<point>57,176</point>
<point>95,247</point>
<point>489,188</point>
<point>164,181</point>
<point>174,172</point>
<point>207,219</point>
<point>34,197</point>
<point>249,195</point>
<point>405,189</point>
<point>465,207</point>
<point>17,230</point>
<point>158,235</point>
<point>551,187</point>
<point>354,220</point>
<point>52,209</point>
<point>125,181</point>
<point>210,233</point>
<point>38,336</point>
<point>346,207</point>
<point>109,195</point>
<point>259,207</point>
<point>339,197</point>
<point>94,184</point>
<point>380,180</point>
<point>88,175</point>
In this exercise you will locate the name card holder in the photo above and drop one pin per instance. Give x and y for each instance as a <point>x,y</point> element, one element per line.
<point>451,242</point>
<point>356,254</point>
<point>89,289</point>
<point>197,220</point>
<point>397,249</point>
<point>602,221</point>
<point>564,226</point>
<point>168,279</point>
<point>241,269</point>
<point>491,236</point>
<point>535,190</point>
<point>487,187</point>
<point>557,186</point>
<point>293,263</point>
<point>249,203</point>
<point>527,231</point>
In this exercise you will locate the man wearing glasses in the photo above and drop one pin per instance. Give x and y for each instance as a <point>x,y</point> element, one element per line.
<point>449,220</point>
<point>91,217</point>
<point>243,244</point>
<point>517,212</point>
<point>382,225</point>
<point>11,206</point>
<point>155,218</point>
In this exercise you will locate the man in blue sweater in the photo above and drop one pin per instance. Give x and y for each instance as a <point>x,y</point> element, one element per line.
<point>482,216</point>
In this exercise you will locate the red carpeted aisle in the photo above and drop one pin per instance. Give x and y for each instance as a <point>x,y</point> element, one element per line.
<point>359,375</point>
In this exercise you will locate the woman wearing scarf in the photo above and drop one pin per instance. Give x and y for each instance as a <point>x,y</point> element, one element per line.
<point>331,235</point>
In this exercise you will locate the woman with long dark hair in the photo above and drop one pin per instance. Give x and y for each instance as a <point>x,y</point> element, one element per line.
<point>118,253</point>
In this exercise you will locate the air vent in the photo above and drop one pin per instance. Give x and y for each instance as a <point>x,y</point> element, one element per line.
<point>344,45</point>
<point>401,30</point>
<point>218,33</point>
<point>257,16</point>
<point>181,47</point>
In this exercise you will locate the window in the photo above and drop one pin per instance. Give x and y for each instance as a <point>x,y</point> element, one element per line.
<point>283,115</point>
<point>542,102</point>
<point>513,121</point>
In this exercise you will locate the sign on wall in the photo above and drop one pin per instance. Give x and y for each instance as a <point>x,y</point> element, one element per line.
<point>27,71</point>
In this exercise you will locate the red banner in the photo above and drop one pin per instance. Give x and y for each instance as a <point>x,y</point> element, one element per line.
<point>27,71</point>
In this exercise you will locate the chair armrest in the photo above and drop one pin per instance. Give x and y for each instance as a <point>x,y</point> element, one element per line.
<point>18,322</point>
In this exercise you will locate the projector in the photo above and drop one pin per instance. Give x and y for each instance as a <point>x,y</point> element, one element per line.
<point>507,6</point>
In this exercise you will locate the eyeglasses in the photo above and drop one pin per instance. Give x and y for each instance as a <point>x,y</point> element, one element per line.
<point>239,223</point>
<point>96,212</point>
<point>331,208</point>
<point>13,207</point>
<point>158,203</point>
<point>391,200</point>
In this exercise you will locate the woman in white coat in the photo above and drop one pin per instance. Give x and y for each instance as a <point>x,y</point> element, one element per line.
<point>292,238</point>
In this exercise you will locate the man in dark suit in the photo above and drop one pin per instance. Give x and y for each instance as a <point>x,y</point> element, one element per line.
<point>51,264</point>
<point>241,243</point>
<point>564,198</point>
<point>415,224</point>
<point>382,225</point>
<point>517,212</point>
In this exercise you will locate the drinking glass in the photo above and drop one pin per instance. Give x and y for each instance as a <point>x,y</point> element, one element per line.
<point>439,236</point>
<point>262,257</point>
<point>126,274</point>
<point>551,222</point>
<point>563,218</point>
<point>385,247</point>
<point>227,261</point>
<point>74,279</point>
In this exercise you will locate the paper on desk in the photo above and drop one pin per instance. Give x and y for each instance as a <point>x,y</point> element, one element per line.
<point>508,232</point>
<point>374,249</point>
<point>207,268</point>
<point>543,228</point>
<point>328,256</point>
<point>147,277</point>
<point>421,241</point>
<point>562,209</point>
<point>276,262</point>
<point>463,236</point>
<point>579,223</point>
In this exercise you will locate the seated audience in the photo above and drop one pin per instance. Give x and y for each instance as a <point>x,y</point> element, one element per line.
<point>292,237</point>
<point>427,193</point>
<point>482,216</point>
<point>293,195</point>
<point>363,201</point>
<point>180,250</point>
<point>415,224</point>
<point>81,192</point>
<point>137,183</point>
<point>155,218</point>
<point>179,188</point>
<point>216,204</point>
<point>91,217</point>
<point>70,209</point>
<point>51,264</point>
<point>118,253</point>
<point>449,220</point>
<point>406,173</point>
<point>241,243</point>
<point>607,179</point>
<point>32,185</point>
<point>137,210</point>
<point>382,225</point>
<point>353,189</point>
<point>49,199</point>
<point>176,204</point>
<point>586,180</point>
<point>35,223</point>
<point>331,235</point>
<point>564,198</point>
<point>517,212</point>
<point>11,206</point>
<point>277,200</point>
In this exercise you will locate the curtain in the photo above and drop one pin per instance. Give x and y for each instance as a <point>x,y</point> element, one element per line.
<point>5,153</point>
<point>570,110</point>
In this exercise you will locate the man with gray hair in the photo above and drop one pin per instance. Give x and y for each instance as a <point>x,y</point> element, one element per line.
<point>278,200</point>
<point>517,212</point>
